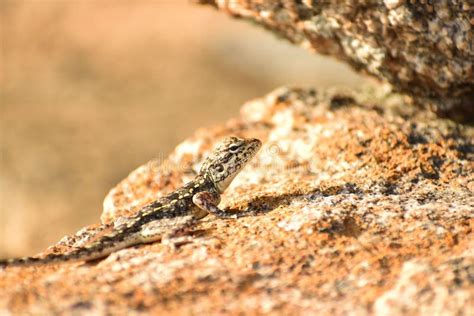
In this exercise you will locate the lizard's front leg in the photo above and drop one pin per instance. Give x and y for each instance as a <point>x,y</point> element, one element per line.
<point>208,202</point>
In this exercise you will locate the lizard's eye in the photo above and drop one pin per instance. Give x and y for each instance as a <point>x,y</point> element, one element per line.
<point>219,168</point>
<point>234,148</point>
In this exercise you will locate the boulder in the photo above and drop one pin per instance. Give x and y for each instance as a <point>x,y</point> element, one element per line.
<point>356,204</point>
<point>424,49</point>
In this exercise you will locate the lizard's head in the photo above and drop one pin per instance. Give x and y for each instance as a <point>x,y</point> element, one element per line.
<point>229,157</point>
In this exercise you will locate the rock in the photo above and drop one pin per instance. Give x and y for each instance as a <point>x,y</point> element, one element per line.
<point>364,206</point>
<point>424,49</point>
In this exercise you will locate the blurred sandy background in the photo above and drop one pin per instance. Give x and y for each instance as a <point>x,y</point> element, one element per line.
<point>91,89</point>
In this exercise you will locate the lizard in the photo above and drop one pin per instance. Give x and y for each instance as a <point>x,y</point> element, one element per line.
<point>163,218</point>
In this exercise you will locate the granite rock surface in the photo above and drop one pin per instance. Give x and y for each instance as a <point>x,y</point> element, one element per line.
<point>422,48</point>
<point>363,206</point>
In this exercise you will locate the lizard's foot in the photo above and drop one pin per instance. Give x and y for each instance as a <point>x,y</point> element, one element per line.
<point>175,242</point>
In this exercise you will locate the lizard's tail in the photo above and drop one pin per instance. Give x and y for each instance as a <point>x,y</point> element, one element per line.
<point>97,250</point>
<point>81,254</point>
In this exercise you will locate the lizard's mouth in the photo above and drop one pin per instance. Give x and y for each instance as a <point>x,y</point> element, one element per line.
<point>256,144</point>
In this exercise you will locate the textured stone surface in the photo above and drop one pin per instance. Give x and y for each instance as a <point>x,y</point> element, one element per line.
<point>365,207</point>
<point>423,48</point>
